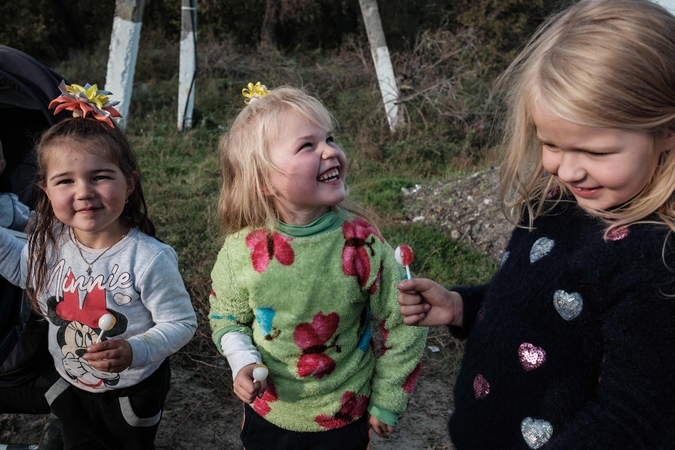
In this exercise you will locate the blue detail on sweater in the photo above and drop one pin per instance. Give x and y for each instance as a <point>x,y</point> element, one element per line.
<point>265,316</point>
<point>367,332</point>
<point>219,317</point>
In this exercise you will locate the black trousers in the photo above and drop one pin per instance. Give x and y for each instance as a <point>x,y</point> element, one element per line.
<point>259,434</point>
<point>113,420</point>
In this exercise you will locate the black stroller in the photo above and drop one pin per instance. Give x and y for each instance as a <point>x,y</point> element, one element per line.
<point>26,368</point>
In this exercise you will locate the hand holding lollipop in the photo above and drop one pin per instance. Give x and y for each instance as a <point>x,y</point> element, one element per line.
<point>260,372</point>
<point>404,256</point>
<point>105,323</point>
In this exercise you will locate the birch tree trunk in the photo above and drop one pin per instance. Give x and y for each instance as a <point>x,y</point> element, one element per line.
<point>268,34</point>
<point>126,34</point>
<point>382,60</point>
<point>188,64</point>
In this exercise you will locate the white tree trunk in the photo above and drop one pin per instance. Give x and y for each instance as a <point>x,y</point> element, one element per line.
<point>124,40</point>
<point>382,60</point>
<point>188,63</point>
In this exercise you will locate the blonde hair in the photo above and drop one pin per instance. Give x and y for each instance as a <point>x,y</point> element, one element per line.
<point>246,196</point>
<point>600,63</point>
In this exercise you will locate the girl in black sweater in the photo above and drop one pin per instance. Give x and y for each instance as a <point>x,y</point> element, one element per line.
<point>570,345</point>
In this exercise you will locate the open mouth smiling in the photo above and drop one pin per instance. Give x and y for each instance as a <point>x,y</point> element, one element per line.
<point>329,175</point>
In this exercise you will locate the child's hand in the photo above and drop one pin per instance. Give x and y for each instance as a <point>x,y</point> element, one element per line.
<point>427,303</point>
<point>382,429</point>
<point>113,355</point>
<point>244,387</point>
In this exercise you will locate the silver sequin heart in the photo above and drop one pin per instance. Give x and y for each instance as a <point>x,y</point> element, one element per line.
<point>504,258</point>
<point>568,305</point>
<point>536,432</point>
<point>540,248</point>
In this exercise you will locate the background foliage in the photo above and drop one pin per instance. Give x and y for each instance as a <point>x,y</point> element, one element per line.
<point>50,29</point>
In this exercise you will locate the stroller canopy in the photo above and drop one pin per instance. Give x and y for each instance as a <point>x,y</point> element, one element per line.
<point>26,89</point>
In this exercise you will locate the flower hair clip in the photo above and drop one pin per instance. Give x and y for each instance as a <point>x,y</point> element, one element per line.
<point>84,100</point>
<point>254,92</point>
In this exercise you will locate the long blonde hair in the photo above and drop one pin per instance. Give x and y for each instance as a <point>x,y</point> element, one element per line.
<point>246,195</point>
<point>600,63</point>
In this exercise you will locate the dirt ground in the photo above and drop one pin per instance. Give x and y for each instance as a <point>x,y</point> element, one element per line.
<point>198,416</point>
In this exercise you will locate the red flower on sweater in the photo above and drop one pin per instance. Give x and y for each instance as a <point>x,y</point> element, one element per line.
<point>312,338</point>
<point>262,405</point>
<point>385,335</point>
<point>266,246</point>
<point>411,381</point>
<point>355,260</point>
<point>352,407</point>
<point>378,279</point>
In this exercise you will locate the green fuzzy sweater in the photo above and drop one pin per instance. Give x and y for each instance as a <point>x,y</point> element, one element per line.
<point>309,298</point>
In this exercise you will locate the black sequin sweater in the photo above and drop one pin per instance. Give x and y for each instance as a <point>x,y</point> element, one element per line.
<point>571,345</point>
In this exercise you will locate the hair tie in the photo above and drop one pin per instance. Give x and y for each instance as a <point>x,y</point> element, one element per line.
<point>85,100</point>
<point>254,92</point>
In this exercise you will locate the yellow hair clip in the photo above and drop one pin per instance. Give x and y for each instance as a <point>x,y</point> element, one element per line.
<point>254,92</point>
<point>83,100</point>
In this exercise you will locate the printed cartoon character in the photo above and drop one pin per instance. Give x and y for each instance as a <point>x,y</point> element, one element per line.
<point>78,328</point>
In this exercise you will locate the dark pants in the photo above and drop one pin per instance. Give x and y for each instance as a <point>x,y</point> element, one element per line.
<point>120,419</point>
<point>259,434</point>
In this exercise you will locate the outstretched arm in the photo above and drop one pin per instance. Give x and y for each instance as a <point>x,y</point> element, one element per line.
<point>11,265</point>
<point>427,303</point>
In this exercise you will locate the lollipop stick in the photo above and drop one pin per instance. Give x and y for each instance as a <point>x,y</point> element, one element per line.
<point>407,272</point>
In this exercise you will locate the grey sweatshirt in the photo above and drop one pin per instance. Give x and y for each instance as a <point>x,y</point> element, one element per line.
<point>136,280</point>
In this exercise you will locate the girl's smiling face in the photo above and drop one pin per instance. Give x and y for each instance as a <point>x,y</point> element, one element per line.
<point>309,172</point>
<point>87,193</point>
<point>602,167</point>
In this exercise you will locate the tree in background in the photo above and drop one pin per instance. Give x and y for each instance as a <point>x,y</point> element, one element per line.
<point>49,29</point>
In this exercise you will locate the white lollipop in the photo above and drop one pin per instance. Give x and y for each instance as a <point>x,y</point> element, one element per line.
<point>260,372</point>
<point>105,323</point>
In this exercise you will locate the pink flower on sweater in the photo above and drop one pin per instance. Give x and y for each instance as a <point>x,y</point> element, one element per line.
<point>312,338</point>
<point>411,381</point>
<point>355,260</point>
<point>262,405</point>
<point>352,407</point>
<point>266,246</point>
<point>385,335</point>
<point>378,280</point>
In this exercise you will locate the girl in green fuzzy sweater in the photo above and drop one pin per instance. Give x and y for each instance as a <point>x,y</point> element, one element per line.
<point>299,283</point>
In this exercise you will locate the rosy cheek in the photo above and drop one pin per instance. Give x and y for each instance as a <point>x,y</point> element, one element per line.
<point>549,162</point>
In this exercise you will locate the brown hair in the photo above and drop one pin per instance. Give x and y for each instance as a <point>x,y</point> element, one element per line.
<point>90,136</point>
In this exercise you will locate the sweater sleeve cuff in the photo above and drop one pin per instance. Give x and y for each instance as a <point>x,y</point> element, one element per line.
<point>472,299</point>
<point>383,415</point>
